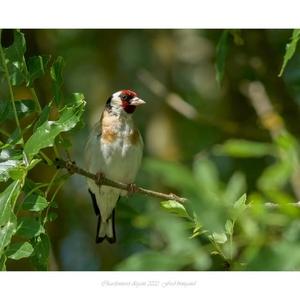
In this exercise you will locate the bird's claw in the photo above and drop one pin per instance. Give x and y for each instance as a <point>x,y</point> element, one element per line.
<point>131,188</point>
<point>99,178</point>
<point>70,166</point>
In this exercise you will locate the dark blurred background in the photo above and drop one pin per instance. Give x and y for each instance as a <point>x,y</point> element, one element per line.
<point>187,113</point>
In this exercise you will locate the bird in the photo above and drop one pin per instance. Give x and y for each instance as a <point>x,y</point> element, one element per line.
<point>114,149</point>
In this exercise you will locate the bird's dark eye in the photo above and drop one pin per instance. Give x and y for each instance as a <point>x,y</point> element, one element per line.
<point>124,97</point>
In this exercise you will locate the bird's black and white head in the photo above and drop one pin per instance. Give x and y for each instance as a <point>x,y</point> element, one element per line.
<point>123,102</point>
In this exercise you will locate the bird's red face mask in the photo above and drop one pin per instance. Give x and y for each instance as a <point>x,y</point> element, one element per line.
<point>130,100</point>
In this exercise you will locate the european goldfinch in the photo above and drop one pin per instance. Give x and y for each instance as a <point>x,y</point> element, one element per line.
<point>114,149</point>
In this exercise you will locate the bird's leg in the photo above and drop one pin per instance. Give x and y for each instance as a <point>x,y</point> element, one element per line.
<point>131,188</point>
<point>99,178</point>
<point>70,166</point>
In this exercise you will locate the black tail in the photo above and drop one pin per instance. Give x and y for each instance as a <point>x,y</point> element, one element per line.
<point>109,224</point>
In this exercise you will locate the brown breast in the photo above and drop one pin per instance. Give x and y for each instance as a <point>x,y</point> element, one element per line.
<point>109,124</point>
<point>108,136</point>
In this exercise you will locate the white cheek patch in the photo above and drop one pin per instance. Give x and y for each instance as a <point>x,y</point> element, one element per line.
<point>116,96</point>
<point>116,101</point>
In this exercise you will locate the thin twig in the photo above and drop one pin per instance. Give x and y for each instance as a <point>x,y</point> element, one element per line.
<point>72,168</point>
<point>271,120</point>
<point>176,102</point>
<point>268,116</point>
<point>275,205</point>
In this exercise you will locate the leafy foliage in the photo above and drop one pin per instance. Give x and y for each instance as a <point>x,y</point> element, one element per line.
<point>37,67</point>
<point>23,108</point>
<point>25,205</point>
<point>238,215</point>
<point>57,80</point>
<point>243,148</point>
<point>14,59</point>
<point>35,202</point>
<point>290,49</point>
<point>45,134</point>
<point>19,250</point>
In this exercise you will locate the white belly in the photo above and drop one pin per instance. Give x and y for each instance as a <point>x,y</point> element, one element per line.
<point>119,160</point>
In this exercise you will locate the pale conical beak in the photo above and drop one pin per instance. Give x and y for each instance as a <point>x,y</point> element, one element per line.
<point>137,101</point>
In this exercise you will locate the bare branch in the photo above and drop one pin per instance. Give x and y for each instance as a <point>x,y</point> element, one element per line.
<point>271,121</point>
<point>73,168</point>
<point>275,205</point>
<point>269,118</point>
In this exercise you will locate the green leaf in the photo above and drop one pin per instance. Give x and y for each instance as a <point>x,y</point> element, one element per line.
<point>6,232</point>
<point>197,227</point>
<point>286,142</point>
<point>45,134</point>
<point>219,238</point>
<point>57,78</point>
<point>10,154</point>
<point>29,227</point>
<point>16,51</point>
<point>206,173</point>
<point>5,167</point>
<point>7,201</point>
<point>3,259</point>
<point>221,54</point>
<point>14,59</point>
<point>37,66</point>
<point>276,176</point>
<point>239,206</point>
<point>229,227</point>
<point>288,148</point>
<point>9,160</point>
<point>207,203</point>
<point>43,116</point>
<point>35,202</point>
<point>17,173</point>
<point>41,252</point>
<point>244,149</point>
<point>195,234</point>
<point>175,207</point>
<point>241,202</point>
<point>77,97</point>
<point>290,49</point>
<point>210,212</point>
<point>23,107</point>
<point>235,188</point>
<point>19,250</point>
